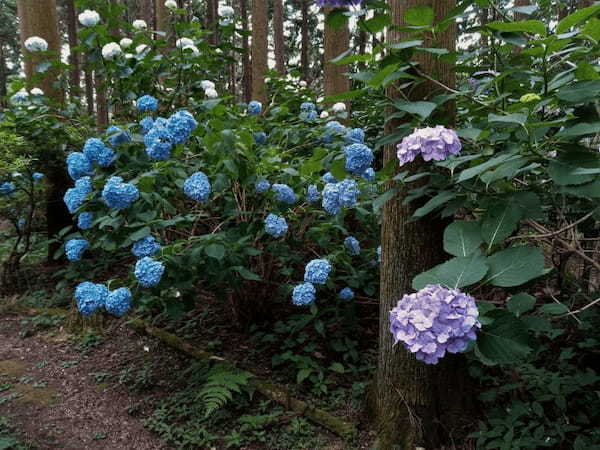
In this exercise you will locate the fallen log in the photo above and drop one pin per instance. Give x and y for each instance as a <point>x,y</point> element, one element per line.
<point>272,391</point>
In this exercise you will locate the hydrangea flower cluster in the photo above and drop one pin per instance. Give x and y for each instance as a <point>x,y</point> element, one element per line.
<point>36,44</point>
<point>118,302</point>
<point>308,112</point>
<point>147,103</point>
<point>7,188</point>
<point>284,193</point>
<point>359,158</point>
<point>90,297</point>
<point>75,196</point>
<point>180,126</point>
<point>148,271</point>
<point>116,136</point>
<point>139,24</point>
<point>317,271</point>
<point>162,133</point>
<point>346,294</point>
<point>89,18</point>
<point>95,151</point>
<point>37,176</point>
<point>75,248</point>
<point>275,225</point>
<point>338,3</point>
<point>254,108</point>
<point>312,193</point>
<point>147,246</point>
<point>333,128</point>
<point>21,223</point>
<point>304,294</point>
<point>260,137</point>
<point>262,185</point>
<point>119,195</point>
<point>329,178</point>
<point>355,136</point>
<point>111,50</point>
<point>432,143</point>
<point>146,124</point>
<point>209,88</point>
<point>79,165</point>
<point>433,321</point>
<point>369,174</point>
<point>197,187</point>
<point>352,246</point>
<point>85,220</point>
<point>338,195</point>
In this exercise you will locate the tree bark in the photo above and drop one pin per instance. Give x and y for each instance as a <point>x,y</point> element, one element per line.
<point>162,18</point>
<point>278,36</point>
<point>521,16</point>
<point>3,78</point>
<point>89,89</point>
<point>417,404</point>
<point>246,67</point>
<point>101,102</point>
<point>75,73</point>
<point>305,42</point>
<point>336,42</point>
<point>147,13</point>
<point>260,63</point>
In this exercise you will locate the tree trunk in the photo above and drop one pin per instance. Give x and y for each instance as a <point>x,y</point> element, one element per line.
<point>162,17</point>
<point>3,78</point>
<point>89,89</point>
<point>417,404</point>
<point>212,20</point>
<point>278,36</point>
<point>74,78</point>
<point>305,42</point>
<point>260,64</point>
<point>246,67</point>
<point>336,42</point>
<point>521,16</point>
<point>101,102</point>
<point>146,8</point>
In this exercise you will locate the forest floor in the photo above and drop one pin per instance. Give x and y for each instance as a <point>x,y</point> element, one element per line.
<point>107,391</point>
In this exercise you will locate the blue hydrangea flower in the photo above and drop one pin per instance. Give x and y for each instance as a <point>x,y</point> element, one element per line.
<point>147,246</point>
<point>254,108</point>
<point>37,176</point>
<point>119,195</point>
<point>159,141</point>
<point>95,151</point>
<point>311,116</point>
<point>433,321</point>
<point>284,193</point>
<point>78,165</point>
<point>180,126</point>
<point>368,174</point>
<point>333,128</point>
<point>308,111</point>
<point>21,223</point>
<point>85,220</point>
<point>117,136</point>
<point>118,302</point>
<point>7,188</point>
<point>148,271</point>
<point>329,178</point>
<point>307,107</point>
<point>312,193</point>
<point>75,248</point>
<point>346,294</point>
<point>317,271</point>
<point>304,294</point>
<point>75,196</point>
<point>359,158</point>
<point>338,3</point>
<point>146,124</point>
<point>338,195</point>
<point>275,226</point>
<point>197,187</point>
<point>260,137</point>
<point>262,185</point>
<point>147,103</point>
<point>355,136</point>
<point>352,245</point>
<point>90,297</point>
<point>432,143</point>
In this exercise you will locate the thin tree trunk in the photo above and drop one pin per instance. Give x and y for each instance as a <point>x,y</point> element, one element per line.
<point>101,102</point>
<point>89,89</point>
<point>260,63</point>
<point>305,42</point>
<point>417,404</point>
<point>336,41</point>
<point>146,8</point>
<point>3,78</point>
<point>162,17</point>
<point>246,68</point>
<point>278,36</point>
<point>215,25</point>
<point>75,74</point>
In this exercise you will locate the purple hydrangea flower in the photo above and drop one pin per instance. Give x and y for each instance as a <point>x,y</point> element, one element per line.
<point>434,321</point>
<point>317,271</point>
<point>432,143</point>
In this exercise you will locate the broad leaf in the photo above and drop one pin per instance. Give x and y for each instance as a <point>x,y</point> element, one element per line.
<point>580,92</point>
<point>516,118</point>
<point>504,341</point>
<point>526,26</point>
<point>520,303</point>
<point>554,309</point>
<point>422,109</point>
<point>515,266</point>
<point>577,17</point>
<point>216,251</point>
<point>455,273</point>
<point>461,238</point>
<point>581,129</point>
<point>419,16</point>
<point>500,221</point>
<point>435,202</point>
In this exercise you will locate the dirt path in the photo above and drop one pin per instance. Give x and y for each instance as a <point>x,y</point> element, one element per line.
<point>56,395</point>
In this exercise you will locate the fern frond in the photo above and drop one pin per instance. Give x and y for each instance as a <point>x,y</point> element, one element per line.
<point>222,383</point>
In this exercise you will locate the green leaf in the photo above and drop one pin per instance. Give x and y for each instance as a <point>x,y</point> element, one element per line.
<point>245,273</point>
<point>455,273</point>
<point>520,303</point>
<point>421,16</point>
<point>338,169</point>
<point>406,44</point>
<point>337,367</point>
<point>140,234</point>
<point>504,341</point>
<point>526,26</point>
<point>336,18</point>
<point>515,266</point>
<point>376,23</point>
<point>577,17</point>
<point>216,251</point>
<point>500,221</point>
<point>554,309</point>
<point>303,374</point>
<point>471,172</point>
<point>380,201</point>
<point>461,238</point>
<point>579,92</point>
<point>567,168</point>
<point>581,129</point>
<point>585,71</point>
<point>422,109</point>
<point>592,29</point>
<point>517,118</point>
<point>435,202</point>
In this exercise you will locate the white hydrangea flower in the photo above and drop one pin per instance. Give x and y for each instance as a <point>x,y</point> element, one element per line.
<point>324,115</point>
<point>339,108</point>
<point>128,55</point>
<point>141,48</point>
<point>211,93</point>
<point>37,91</point>
<point>111,50</point>
<point>139,24</point>
<point>183,42</point>
<point>89,18</point>
<point>207,84</point>
<point>218,51</point>
<point>193,49</point>
<point>171,4</point>
<point>125,43</point>
<point>267,80</point>
<point>226,11</point>
<point>20,96</point>
<point>36,44</point>
<point>303,83</point>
